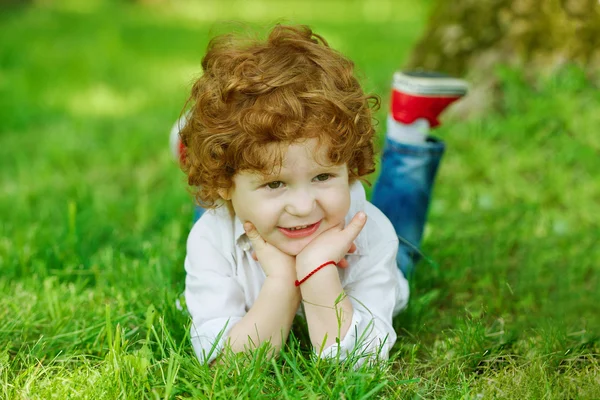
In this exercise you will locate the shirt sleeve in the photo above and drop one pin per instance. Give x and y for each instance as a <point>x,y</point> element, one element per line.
<point>377,290</point>
<point>214,298</point>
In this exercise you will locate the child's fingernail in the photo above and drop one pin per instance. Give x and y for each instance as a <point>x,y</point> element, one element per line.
<point>361,216</point>
<point>247,227</point>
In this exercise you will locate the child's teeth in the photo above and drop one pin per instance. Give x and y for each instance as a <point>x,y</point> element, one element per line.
<point>298,227</point>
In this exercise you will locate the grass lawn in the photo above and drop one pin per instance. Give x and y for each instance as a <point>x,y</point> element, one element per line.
<point>94,216</point>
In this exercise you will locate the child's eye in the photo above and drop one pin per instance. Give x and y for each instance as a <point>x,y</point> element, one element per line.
<point>274,184</point>
<point>323,177</point>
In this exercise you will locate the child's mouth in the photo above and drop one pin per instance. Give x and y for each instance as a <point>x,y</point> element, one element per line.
<point>300,232</point>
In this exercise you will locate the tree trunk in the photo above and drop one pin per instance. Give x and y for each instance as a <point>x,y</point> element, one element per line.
<point>470,38</point>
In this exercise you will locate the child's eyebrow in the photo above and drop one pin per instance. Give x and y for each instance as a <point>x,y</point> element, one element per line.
<point>262,178</point>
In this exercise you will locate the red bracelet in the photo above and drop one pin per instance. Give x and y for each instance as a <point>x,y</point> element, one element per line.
<point>300,282</point>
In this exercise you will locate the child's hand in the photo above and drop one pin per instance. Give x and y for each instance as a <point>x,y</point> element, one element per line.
<point>333,244</point>
<point>343,263</point>
<point>273,261</point>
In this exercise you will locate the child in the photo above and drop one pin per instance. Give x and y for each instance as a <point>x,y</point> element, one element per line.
<point>277,138</point>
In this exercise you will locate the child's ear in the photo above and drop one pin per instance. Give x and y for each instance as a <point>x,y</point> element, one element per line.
<point>224,193</point>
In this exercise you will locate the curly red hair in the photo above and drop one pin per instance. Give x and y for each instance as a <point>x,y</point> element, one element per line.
<point>290,87</point>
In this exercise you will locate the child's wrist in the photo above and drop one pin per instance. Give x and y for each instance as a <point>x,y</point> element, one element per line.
<point>305,264</point>
<point>307,276</point>
<point>282,288</point>
<point>282,276</point>
<point>307,267</point>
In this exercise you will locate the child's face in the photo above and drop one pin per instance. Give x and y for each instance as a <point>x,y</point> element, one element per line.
<point>302,194</point>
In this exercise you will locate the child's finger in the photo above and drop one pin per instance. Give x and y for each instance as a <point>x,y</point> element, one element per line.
<point>254,256</point>
<point>352,230</point>
<point>257,241</point>
<point>352,248</point>
<point>343,262</point>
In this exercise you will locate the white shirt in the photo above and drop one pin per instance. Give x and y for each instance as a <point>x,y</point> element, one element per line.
<point>223,282</point>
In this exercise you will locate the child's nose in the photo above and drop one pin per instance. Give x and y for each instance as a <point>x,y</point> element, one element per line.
<point>301,203</point>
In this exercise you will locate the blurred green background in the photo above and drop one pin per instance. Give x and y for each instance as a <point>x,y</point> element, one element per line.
<point>89,91</point>
<point>94,213</point>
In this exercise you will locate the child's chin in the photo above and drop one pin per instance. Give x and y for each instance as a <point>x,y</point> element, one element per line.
<point>293,249</point>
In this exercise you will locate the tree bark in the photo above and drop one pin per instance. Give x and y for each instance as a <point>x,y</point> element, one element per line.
<point>470,38</point>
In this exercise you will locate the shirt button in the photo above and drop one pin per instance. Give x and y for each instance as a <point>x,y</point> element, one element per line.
<point>246,246</point>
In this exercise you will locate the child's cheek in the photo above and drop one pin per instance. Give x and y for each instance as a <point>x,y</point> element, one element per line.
<point>343,203</point>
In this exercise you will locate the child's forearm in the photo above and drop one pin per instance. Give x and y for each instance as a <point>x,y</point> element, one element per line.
<point>269,319</point>
<point>328,310</point>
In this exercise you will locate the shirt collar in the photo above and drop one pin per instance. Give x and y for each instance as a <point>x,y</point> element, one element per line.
<point>358,202</point>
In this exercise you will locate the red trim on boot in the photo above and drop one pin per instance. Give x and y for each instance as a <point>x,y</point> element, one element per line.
<point>182,152</point>
<point>406,108</point>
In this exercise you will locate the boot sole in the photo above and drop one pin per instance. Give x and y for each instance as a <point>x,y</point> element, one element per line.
<point>429,85</point>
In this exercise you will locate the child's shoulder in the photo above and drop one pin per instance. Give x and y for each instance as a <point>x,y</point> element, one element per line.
<point>379,227</point>
<point>216,226</point>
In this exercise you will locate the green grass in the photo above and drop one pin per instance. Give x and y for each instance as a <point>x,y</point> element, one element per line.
<point>94,217</point>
